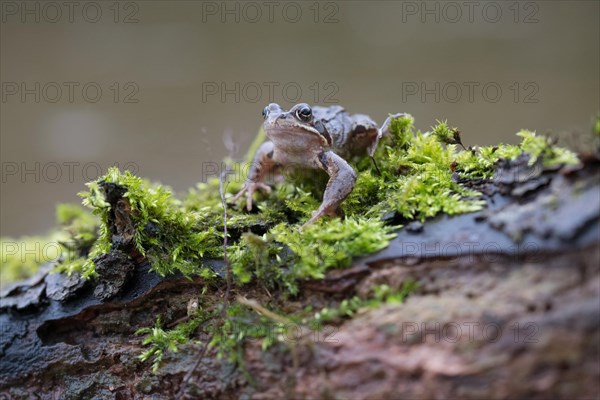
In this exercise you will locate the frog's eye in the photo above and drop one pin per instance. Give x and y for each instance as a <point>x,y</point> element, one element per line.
<point>304,113</point>
<point>265,112</point>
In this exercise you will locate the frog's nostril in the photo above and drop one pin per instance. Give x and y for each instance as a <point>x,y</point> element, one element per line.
<point>282,116</point>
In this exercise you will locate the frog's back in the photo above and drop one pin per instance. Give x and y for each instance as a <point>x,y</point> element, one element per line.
<point>350,134</point>
<point>335,121</point>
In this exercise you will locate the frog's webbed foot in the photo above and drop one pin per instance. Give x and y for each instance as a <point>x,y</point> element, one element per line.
<point>261,166</point>
<point>341,183</point>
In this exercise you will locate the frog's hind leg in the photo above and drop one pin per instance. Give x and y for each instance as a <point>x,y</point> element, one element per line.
<point>341,182</point>
<point>364,136</point>
<point>385,127</point>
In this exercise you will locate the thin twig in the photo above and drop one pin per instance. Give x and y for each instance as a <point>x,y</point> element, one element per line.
<point>376,167</point>
<point>225,258</point>
<point>228,279</point>
<point>259,309</point>
<point>188,376</point>
<point>178,321</point>
<point>253,304</point>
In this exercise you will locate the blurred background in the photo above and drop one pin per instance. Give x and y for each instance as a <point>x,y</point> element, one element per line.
<point>167,89</point>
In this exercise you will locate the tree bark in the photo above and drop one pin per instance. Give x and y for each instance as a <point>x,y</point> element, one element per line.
<point>508,306</point>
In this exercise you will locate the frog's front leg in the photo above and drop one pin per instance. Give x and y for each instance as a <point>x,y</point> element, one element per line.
<point>261,166</point>
<point>341,182</point>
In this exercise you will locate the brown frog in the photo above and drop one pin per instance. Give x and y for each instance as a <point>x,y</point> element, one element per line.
<point>317,138</point>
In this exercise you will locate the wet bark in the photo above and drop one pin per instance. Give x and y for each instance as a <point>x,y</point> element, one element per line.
<point>508,306</point>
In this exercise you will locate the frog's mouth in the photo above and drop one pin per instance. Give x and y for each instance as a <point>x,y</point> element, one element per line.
<point>286,127</point>
<point>286,123</point>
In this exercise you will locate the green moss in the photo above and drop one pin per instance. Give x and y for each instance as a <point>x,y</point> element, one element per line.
<point>68,246</point>
<point>256,257</point>
<point>445,134</point>
<point>328,244</point>
<point>161,341</point>
<point>386,294</point>
<point>21,258</point>
<point>479,163</point>
<point>239,326</point>
<point>172,238</point>
<point>415,181</point>
<point>542,147</point>
<point>401,131</point>
<point>79,235</point>
<point>381,295</point>
<point>242,324</point>
<point>417,177</point>
<point>307,253</point>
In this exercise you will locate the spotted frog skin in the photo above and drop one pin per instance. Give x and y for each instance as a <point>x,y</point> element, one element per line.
<point>316,138</point>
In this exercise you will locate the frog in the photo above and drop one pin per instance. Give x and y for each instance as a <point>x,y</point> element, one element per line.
<point>325,138</point>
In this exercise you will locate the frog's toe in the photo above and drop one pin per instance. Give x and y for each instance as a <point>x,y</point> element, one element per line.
<point>245,190</point>
<point>332,211</point>
<point>263,186</point>
<point>249,201</point>
<point>250,192</point>
<point>239,194</point>
<point>314,217</point>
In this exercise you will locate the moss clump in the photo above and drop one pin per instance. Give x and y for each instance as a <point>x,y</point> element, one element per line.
<point>239,326</point>
<point>177,236</point>
<point>541,147</point>
<point>328,244</point>
<point>416,177</point>
<point>284,255</point>
<point>162,341</point>
<point>79,234</point>
<point>21,258</point>
<point>445,134</point>
<point>256,257</point>
<point>381,294</point>
<point>172,238</point>
<point>479,163</point>
<point>68,246</point>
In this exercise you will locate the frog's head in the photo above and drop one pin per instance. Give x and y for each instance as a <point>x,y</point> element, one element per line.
<point>295,129</point>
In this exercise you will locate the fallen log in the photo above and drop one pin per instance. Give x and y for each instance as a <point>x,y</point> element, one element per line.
<point>506,304</point>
